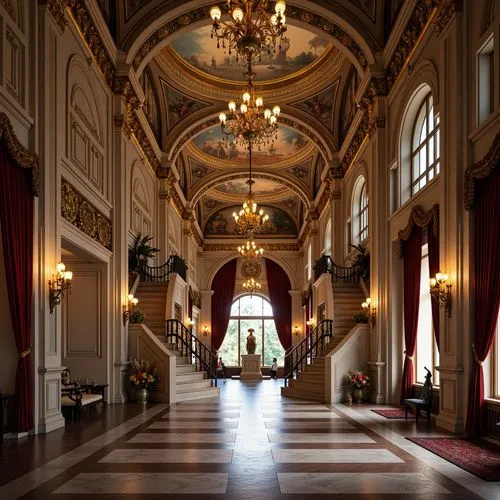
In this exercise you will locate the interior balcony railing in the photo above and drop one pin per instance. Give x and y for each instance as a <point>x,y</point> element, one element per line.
<point>204,358</point>
<point>174,264</point>
<point>325,264</point>
<point>310,347</point>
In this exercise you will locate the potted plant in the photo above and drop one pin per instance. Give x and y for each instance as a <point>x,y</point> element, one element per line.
<point>143,376</point>
<point>137,316</point>
<point>140,252</point>
<point>360,317</point>
<point>358,381</point>
<point>361,261</point>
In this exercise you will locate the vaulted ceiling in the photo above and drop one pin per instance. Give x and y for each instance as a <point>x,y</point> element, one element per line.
<point>187,82</point>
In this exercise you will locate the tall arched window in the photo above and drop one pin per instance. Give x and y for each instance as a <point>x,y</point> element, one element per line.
<point>328,238</point>
<point>359,210</point>
<point>251,312</point>
<point>424,146</point>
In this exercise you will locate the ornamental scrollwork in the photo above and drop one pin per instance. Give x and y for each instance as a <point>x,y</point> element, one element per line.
<point>80,213</point>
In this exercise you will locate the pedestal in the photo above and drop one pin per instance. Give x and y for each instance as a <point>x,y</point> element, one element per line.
<point>251,367</point>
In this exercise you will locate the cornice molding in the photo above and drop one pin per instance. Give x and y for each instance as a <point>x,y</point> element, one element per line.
<point>268,247</point>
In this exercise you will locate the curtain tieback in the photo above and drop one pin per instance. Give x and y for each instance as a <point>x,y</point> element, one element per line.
<point>478,361</point>
<point>408,356</point>
<point>24,353</point>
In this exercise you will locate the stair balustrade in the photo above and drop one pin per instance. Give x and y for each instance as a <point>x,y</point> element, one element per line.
<point>204,358</point>
<point>311,346</point>
<point>325,264</point>
<point>174,264</point>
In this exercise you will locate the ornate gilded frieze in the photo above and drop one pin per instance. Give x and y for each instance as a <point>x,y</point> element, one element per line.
<point>19,153</point>
<point>233,247</point>
<point>369,7</point>
<point>480,170</point>
<point>355,145</point>
<point>82,214</point>
<point>420,219</point>
<point>203,13</point>
<point>57,11</point>
<point>447,9</point>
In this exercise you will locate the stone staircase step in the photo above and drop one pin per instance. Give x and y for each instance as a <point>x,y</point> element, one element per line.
<point>181,388</point>
<point>307,385</point>
<point>294,393</point>
<point>211,392</point>
<point>182,377</point>
<point>184,369</point>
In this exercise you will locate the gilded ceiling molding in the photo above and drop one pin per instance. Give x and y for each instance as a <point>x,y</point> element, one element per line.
<point>79,212</point>
<point>359,137</point>
<point>368,7</point>
<point>480,170</point>
<point>305,131</point>
<point>56,9</point>
<point>19,153</point>
<point>194,131</point>
<point>447,9</point>
<point>268,247</point>
<point>420,219</point>
<point>9,7</point>
<point>293,12</point>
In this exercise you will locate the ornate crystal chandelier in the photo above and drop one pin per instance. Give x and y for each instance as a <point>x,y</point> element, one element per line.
<point>250,30</point>
<point>250,123</point>
<point>250,250</point>
<point>252,286</point>
<point>249,220</point>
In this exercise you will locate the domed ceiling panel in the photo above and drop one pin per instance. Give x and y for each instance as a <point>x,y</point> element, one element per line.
<point>290,142</point>
<point>299,49</point>
<point>222,223</point>
<point>260,187</point>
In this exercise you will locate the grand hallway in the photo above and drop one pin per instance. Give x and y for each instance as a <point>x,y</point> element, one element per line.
<point>250,444</point>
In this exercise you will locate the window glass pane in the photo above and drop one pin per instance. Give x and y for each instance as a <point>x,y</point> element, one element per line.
<point>256,324</point>
<point>423,160</point>
<point>419,122</point>
<point>268,310</point>
<point>431,151</point>
<point>423,131</point>
<point>415,169</point>
<point>251,306</point>
<point>235,308</point>
<point>229,348</point>
<point>437,143</point>
<point>272,344</point>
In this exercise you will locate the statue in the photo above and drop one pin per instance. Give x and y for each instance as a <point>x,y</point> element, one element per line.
<point>251,341</point>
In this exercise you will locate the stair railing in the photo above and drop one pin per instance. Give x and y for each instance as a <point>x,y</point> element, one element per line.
<point>156,274</point>
<point>311,346</point>
<point>325,264</point>
<point>204,358</point>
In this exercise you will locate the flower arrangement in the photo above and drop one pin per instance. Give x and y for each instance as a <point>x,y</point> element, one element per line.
<point>360,317</point>
<point>357,379</point>
<point>143,374</point>
<point>137,316</point>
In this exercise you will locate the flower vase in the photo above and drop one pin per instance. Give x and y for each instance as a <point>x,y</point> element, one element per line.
<point>357,395</point>
<point>141,395</point>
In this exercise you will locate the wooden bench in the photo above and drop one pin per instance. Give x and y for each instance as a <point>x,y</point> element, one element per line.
<point>423,401</point>
<point>74,397</point>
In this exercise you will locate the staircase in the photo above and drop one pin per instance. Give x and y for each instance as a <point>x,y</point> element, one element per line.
<point>190,381</point>
<point>310,376</point>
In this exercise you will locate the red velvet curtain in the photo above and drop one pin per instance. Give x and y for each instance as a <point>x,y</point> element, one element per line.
<point>16,220</point>
<point>486,286</point>
<point>279,287</point>
<point>222,299</point>
<point>411,301</point>
<point>433,243</point>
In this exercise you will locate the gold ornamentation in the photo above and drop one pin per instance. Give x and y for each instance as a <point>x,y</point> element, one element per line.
<point>19,153</point>
<point>480,170</point>
<point>57,10</point>
<point>268,247</point>
<point>420,219</point>
<point>9,7</point>
<point>447,9</point>
<point>250,269</point>
<point>293,12</point>
<point>83,215</point>
<point>355,145</point>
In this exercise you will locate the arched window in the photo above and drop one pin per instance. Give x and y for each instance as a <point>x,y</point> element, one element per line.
<point>359,210</point>
<point>328,238</point>
<point>251,312</point>
<point>424,146</point>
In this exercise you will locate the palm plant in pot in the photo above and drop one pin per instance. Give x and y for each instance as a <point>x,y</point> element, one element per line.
<point>140,252</point>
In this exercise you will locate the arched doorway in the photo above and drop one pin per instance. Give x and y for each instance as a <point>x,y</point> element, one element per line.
<point>251,312</point>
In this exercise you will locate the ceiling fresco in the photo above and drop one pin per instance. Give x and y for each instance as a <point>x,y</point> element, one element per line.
<point>222,223</point>
<point>260,187</point>
<point>299,49</point>
<point>290,142</point>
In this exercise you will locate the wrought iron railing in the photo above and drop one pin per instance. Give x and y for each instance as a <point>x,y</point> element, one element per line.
<point>174,264</point>
<point>311,346</point>
<point>325,264</point>
<point>204,358</point>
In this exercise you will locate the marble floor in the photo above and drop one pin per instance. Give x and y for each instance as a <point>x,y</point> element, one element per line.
<point>249,444</point>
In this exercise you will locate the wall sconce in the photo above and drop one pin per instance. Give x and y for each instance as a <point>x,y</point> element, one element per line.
<point>59,285</point>
<point>296,330</point>
<point>310,323</point>
<point>204,332</point>
<point>127,310</point>
<point>440,291</point>
<point>369,309</point>
<point>189,323</point>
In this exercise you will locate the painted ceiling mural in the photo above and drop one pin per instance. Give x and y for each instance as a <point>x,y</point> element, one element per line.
<point>260,187</point>
<point>222,223</point>
<point>299,49</point>
<point>178,105</point>
<point>289,142</point>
